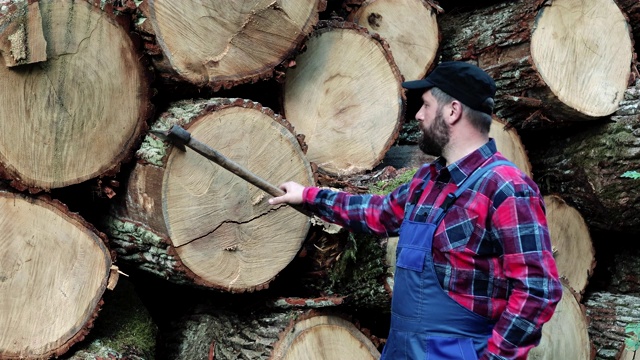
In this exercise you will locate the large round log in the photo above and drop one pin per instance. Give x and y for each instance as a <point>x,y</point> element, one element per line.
<point>553,61</point>
<point>345,96</point>
<point>75,111</point>
<point>572,246</point>
<point>192,221</point>
<point>609,315</point>
<point>222,44</point>
<point>409,27</point>
<point>587,168</point>
<point>54,269</point>
<point>250,335</point>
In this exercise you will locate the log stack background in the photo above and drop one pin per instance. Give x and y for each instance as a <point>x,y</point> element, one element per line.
<point>307,91</point>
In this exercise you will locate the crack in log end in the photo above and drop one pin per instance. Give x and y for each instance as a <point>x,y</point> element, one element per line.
<point>235,247</point>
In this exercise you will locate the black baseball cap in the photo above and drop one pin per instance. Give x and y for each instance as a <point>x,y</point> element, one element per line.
<point>463,81</point>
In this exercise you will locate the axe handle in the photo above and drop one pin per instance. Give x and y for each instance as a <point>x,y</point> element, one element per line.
<point>231,165</point>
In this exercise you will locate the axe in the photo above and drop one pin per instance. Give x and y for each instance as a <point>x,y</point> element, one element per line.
<point>180,138</point>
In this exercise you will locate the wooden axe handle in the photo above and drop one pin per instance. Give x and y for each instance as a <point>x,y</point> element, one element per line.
<point>179,135</point>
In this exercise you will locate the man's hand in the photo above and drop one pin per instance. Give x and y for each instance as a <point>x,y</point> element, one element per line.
<point>293,194</point>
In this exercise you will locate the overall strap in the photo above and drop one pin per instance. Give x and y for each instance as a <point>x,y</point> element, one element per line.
<point>468,182</point>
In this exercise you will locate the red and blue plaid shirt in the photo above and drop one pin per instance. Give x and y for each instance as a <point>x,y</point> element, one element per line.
<point>492,252</point>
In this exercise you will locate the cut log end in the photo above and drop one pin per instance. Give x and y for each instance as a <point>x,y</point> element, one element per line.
<point>344,95</point>
<point>54,270</point>
<point>583,51</point>
<point>227,44</point>
<point>410,28</point>
<point>325,337</point>
<point>77,115</point>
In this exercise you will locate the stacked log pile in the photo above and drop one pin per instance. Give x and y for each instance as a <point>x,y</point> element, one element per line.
<point>306,91</point>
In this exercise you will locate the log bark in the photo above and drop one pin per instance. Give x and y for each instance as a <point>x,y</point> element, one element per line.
<point>191,221</point>
<point>609,314</point>
<point>586,168</point>
<point>22,40</point>
<point>537,51</point>
<point>345,96</point>
<point>55,268</point>
<point>58,126</point>
<point>572,246</point>
<point>294,334</point>
<point>352,268</point>
<point>566,335</point>
<point>409,27</point>
<point>223,44</point>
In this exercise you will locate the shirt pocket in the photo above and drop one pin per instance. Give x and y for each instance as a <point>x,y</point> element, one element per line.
<point>462,230</point>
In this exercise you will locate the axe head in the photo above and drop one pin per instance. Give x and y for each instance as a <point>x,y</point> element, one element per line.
<point>176,135</point>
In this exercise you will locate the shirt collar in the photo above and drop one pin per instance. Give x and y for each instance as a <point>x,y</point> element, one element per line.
<point>462,168</point>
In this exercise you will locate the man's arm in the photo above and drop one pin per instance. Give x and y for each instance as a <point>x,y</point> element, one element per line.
<point>520,224</point>
<point>360,213</point>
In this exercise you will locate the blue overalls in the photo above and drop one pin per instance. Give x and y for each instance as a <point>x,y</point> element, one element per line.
<point>427,324</point>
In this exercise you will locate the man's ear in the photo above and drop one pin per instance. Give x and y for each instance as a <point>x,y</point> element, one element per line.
<point>454,112</point>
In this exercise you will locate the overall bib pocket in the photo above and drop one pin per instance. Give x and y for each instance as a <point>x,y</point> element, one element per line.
<point>407,298</point>
<point>450,348</point>
<point>408,292</point>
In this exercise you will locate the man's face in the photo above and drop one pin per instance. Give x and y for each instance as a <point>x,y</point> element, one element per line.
<point>435,133</point>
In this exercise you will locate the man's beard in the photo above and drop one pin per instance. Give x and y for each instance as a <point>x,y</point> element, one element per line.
<point>435,137</point>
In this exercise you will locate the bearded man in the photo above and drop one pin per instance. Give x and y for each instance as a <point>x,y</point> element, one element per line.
<point>475,276</point>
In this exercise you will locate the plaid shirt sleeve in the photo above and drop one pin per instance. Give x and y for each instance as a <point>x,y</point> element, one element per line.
<point>377,214</point>
<point>520,224</point>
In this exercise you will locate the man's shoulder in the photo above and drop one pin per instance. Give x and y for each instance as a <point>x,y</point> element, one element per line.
<point>509,178</point>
